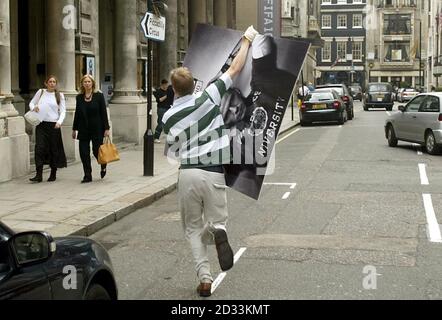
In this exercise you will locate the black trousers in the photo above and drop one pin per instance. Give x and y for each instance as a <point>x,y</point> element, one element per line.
<point>85,153</point>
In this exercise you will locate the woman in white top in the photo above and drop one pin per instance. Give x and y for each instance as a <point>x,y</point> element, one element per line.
<point>50,104</point>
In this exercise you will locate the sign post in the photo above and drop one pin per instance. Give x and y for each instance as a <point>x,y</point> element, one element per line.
<point>154,27</point>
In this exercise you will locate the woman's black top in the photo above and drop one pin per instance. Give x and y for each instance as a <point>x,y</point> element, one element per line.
<point>90,117</point>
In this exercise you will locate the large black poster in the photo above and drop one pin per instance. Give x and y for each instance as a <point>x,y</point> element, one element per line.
<point>253,109</point>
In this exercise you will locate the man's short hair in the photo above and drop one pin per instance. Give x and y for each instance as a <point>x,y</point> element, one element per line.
<point>182,81</point>
<point>164,81</point>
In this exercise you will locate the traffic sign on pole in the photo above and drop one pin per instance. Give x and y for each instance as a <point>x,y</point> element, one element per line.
<point>154,27</point>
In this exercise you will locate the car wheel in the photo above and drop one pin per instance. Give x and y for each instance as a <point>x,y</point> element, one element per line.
<point>391,137</point>
<point>97,292</point>
<point>390,109</point>
<point>365,108</point>
<point>430,144</point>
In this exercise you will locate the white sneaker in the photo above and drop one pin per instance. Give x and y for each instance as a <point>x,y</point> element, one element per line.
<point>157,141</point>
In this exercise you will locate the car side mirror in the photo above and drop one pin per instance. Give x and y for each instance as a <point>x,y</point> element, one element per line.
<point>31,248</point>
<point>401,108</point>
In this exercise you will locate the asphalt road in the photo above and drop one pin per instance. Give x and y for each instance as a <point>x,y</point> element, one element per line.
<point>353,227</point>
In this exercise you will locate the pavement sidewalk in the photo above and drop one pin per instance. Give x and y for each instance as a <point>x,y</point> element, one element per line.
<point>67,207</point>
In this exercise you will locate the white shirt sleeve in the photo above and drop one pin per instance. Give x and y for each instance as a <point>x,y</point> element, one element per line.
<point>35,100</point>
<point>62,109</point>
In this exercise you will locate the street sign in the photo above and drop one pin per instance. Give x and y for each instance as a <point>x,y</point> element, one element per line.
<point>154,27</point>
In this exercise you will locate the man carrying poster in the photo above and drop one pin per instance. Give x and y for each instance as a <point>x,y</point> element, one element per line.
<point>195,129</point>
<point>254,107</point>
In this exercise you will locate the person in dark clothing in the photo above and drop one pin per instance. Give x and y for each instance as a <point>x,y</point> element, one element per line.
<point>164,96</point>
<point>90,124</point>
<point>51,106</point>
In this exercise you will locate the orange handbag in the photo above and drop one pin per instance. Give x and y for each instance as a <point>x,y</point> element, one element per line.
<point>108,152</point>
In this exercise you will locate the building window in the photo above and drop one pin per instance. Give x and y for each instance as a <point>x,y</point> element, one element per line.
<point>395,24</point>
<point>397,51</point>
<point>342,21</point>
<point>326,52</point>
<point>342,1</point>
<point>357,1</point>
<point>342,51</point>
<point>326,2</point>
<point>326,21</point>
<point>357,51</point>
<point>357,21</point>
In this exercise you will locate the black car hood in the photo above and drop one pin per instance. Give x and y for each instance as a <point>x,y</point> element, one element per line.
<point>81,248</point>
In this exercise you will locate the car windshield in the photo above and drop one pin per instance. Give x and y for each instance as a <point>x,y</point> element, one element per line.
<point>320,96</point>
<point>379,87</point>
<point>339,90</point>
<point>355,89</point>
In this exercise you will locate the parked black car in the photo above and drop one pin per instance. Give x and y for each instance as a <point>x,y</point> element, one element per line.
<point>323,105</point>
<point>345,95</point>
<point>356,92</point>
<point>34,266</point>
<point>379,95</point>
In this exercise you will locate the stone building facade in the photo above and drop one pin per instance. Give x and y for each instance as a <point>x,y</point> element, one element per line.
<point>69,38</point>
<point>434,65</point>
<point>397,33</point>
<point>342,57</point>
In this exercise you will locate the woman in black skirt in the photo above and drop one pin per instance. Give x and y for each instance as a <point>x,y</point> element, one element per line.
<point>51,106</point>
<point>90,124</point>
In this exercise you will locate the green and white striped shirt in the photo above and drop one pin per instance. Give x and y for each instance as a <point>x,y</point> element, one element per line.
<point>195,127</point>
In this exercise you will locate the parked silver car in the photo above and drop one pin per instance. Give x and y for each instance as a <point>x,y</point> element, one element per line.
<point>420,121</point>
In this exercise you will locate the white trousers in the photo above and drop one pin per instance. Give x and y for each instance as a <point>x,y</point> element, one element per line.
<point>203,204</point>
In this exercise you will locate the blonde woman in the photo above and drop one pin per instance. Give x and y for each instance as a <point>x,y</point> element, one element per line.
<point>90,124</point>
<point>51,105</point>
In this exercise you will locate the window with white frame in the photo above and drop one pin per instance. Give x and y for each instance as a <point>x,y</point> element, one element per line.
<point>326,21</point>
<point>326,52</point>
<point>357,1</point>
<point>357,21</point>
<point>357,51</point>
<point>326,2</point>
<point>342,21</point>
<point>342,1</point>
<point>342,51</point>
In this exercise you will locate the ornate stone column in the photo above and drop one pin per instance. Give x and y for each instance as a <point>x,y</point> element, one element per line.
<point>128,110</point>
<point>19,102</point>
<point>14,142</point>
<point>197,14</point>
<point>5,60</point>
<point>168,49</point>
<point>60,48</point>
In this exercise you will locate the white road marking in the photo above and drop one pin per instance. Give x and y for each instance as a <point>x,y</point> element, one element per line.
<point>286,196</point>
<point>423,174</point>
<point>289,135</point>
<point>221,276</point>
<point>433,225</point>
<point>292,185</point>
